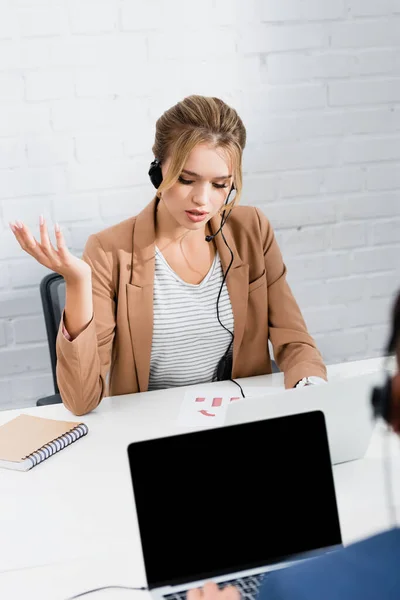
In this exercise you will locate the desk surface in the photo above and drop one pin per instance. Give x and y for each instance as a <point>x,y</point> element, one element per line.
<point>78,505</point>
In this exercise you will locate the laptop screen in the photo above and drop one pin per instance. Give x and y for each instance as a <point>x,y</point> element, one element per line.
<point>222,500</point>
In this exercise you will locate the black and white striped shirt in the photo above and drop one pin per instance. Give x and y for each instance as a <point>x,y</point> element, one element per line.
<point>188,340</point>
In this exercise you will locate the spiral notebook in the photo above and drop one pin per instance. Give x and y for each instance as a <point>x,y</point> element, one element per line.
<point>27,441</point>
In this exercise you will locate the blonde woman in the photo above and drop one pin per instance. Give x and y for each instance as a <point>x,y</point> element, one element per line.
<point>168,297</point>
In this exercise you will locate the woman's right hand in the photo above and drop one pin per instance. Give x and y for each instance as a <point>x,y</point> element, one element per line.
<point>60,259</point>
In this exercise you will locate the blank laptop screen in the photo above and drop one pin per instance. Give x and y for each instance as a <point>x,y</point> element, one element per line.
<point>222,500</point>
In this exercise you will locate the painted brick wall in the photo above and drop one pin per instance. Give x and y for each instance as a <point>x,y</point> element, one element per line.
<point>316,82</point>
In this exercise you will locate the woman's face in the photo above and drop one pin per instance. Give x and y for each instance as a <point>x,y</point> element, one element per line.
<point>201,189</point>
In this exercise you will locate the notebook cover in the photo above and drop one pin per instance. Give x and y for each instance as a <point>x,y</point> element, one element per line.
<point>26,434</point>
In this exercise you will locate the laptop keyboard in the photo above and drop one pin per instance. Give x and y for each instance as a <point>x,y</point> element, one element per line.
<point>248,587</point>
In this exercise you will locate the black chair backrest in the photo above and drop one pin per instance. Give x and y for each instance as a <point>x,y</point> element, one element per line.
<point>52,292</point>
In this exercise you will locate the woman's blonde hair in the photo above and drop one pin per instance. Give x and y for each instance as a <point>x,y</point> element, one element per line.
<point>198,120</point>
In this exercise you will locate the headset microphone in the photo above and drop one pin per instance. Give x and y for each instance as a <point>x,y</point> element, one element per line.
<point>224,219</point>
<point>209,238</point>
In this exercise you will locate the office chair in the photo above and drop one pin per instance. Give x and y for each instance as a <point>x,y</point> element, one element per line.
<point>52,292</point>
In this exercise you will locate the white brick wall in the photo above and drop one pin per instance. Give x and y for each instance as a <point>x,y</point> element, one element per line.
<point>91,16</point>
<point>317,84</point>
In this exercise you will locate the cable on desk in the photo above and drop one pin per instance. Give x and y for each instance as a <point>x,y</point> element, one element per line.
<point>108,587</point>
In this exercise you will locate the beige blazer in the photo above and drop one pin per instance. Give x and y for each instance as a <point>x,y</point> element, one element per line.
<point>112,355</point>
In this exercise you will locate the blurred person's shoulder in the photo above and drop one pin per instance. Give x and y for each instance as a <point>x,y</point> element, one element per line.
<point>368,569</point>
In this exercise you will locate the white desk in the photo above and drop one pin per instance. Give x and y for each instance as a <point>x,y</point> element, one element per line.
<point>78,506</point>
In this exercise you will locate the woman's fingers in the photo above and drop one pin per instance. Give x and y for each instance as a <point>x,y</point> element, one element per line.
<point>29,244</point>
<point>24,237</point>
<point>45,242</point>
<point>62,249</point>
<point>57,258</point>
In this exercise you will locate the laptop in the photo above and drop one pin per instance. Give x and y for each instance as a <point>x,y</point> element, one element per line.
<point>233,503</point>
<point>346,404</point>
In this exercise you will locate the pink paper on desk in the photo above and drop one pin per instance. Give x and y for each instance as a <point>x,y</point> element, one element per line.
<point>205,408</point>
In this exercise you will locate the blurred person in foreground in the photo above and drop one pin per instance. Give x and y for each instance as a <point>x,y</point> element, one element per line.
<point>367,570</point>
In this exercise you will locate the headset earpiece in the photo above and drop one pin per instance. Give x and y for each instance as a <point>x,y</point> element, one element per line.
<point>382,399</point>
<point>155,173</point>
<point>386,402</point>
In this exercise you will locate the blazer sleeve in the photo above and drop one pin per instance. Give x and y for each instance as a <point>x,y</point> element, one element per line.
<point>84,362</point>
<point>295,351</point>
<point>269,589</point>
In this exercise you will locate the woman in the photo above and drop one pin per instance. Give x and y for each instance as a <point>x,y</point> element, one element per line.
<point>188,291</point>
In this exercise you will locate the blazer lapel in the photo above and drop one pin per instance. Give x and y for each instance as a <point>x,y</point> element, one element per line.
<point>237,283</point>
<point>140,293</point>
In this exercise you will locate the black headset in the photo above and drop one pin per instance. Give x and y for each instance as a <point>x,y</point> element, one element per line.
<point>155,173</point>
<point>385,402</point>
<point>381,400</point>
<point>384,405</point>
<point>224,367</point>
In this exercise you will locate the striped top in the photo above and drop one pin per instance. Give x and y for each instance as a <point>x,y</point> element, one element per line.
<point>188,340</point>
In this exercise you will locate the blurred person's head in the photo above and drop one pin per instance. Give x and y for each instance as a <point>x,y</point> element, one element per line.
<point>394,342</point>
<point>199,143</point>
<point>394,347</point>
